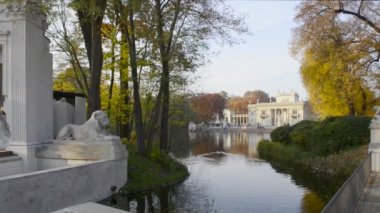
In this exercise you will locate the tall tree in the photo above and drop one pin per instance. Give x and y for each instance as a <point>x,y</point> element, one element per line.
<point>238,105</point>
<point>165,48</point>
<point>332,88</point>
<point>256,96</point>
<point>187,24</point>
<point>338,56</point>
<point>90,14</point>
<point>359,21</point>
<point>67,41</point>
<point>128,22</point>
<point>207,106</point>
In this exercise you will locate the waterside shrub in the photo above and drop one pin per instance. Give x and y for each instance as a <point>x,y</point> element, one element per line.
<point>279,152</point>
<point>155,171</point>
<point>301,132</point>
<point>341,164</point>
<point>281,134</point>
<point>335,134</point>
<point>322,138</point>
<point>333,146</point>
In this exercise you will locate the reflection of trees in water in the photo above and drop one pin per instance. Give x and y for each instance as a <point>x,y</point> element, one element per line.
<point>239,148</point>
<point>150,201</point>
<point>322,188</point>
<point>174,199</point>
<point>180,144</point>
<point>184,143</point>
<point>233,142</point>
<point>208,142</point>
<point>311,203</point>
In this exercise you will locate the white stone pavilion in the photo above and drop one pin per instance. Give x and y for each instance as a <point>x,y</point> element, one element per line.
<point>287,109</point>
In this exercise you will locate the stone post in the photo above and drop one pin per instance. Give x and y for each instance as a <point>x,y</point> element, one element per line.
<point>374,145</point>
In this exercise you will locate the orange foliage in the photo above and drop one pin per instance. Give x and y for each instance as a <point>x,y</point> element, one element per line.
<point>206,106</point>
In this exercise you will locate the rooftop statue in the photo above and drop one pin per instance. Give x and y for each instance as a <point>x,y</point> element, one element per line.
<point>95,129</point>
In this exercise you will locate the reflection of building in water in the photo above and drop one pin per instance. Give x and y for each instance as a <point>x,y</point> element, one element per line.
<point>288,109</point>
<point>244,143</point>
<point>227,140</point>
<point>239,143</point>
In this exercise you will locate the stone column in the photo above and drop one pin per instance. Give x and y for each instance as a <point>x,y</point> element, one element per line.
<point>275,117</point>
<point>374,145</point>
<point>29,97</point>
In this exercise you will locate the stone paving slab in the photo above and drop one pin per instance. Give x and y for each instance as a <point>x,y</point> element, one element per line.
<point>89,207</point>
<point>370,199</point>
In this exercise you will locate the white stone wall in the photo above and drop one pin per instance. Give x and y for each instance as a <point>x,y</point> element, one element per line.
<point>53,189</point>
<point>63,114</point>
<point>10,165</point>
<point>80,115</point>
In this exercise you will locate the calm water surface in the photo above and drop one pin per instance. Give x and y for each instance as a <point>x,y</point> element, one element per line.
<point>227,176</point>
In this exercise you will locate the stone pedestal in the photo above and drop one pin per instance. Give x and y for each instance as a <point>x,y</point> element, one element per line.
<point>27,153</point>
<point>374,145</point>
<point>72,152</point>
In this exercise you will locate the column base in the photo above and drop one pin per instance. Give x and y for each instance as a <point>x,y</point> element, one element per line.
<point>28,154</point>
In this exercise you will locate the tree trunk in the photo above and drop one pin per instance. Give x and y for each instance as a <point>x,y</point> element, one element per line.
<point>91,29</point>
<point>164,131</point>
<point>153,120</point>
<point>137,104</point>
<point>165,50</point>
<point>364,102</point>
<point>110,90</point>
<point>129,32</point>
<point>124,87</point>
<point>164,134</point>
<point>351,108</point>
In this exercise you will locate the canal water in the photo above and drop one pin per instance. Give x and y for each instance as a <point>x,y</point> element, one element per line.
<point>226,175</point>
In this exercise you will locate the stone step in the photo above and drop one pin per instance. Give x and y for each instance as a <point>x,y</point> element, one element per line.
<point>89,207</point>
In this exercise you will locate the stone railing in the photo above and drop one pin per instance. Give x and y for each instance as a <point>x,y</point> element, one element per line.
<point>347,197</point>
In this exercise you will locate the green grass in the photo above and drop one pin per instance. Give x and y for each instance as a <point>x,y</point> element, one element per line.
<point>148,173</point>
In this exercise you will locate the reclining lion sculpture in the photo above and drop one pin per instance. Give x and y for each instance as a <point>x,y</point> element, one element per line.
<point>95,129</point>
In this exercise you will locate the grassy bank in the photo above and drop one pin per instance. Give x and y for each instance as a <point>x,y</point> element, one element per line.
<point>156,171</point>
<point>340,164</point>
<point>333,147</point>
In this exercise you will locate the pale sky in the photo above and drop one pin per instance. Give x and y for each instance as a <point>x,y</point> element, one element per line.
<point>263,61</point>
